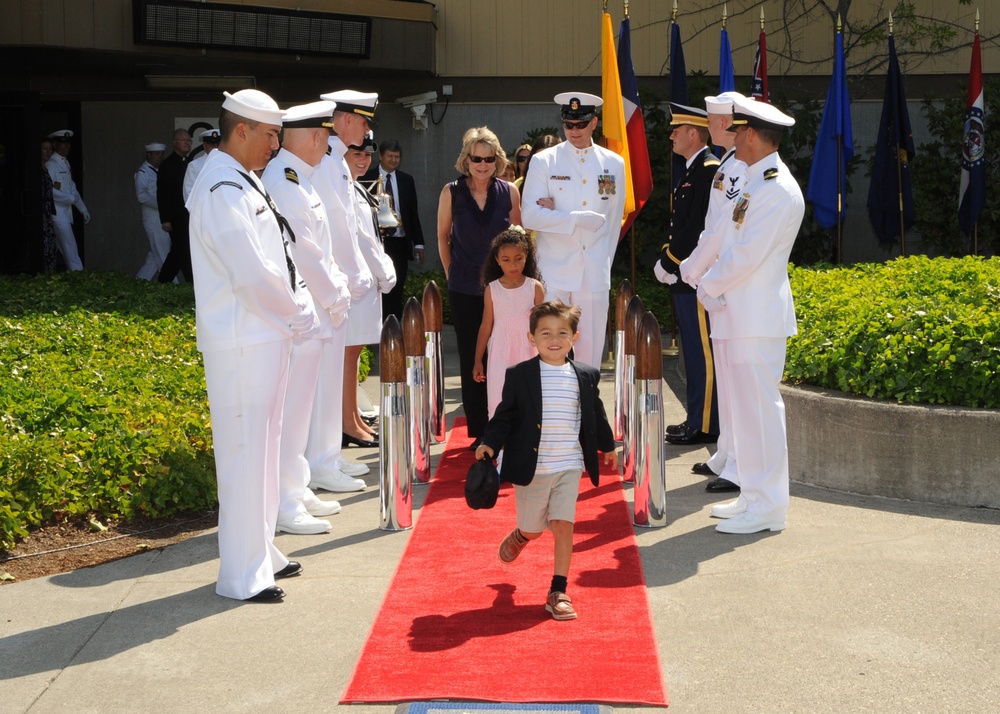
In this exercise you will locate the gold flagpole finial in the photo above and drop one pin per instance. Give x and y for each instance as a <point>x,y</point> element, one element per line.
<point>724,15</point>
<point>839,25</point>
<point>890,24</point>
<point>673,15</point>
<point>626,8</point>
<point>761,18</point>
<point>605,6</point>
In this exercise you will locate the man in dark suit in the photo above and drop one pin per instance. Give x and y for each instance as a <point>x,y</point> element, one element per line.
<point>173,214</point>
<point>687,221</point>
<point>405,243</point>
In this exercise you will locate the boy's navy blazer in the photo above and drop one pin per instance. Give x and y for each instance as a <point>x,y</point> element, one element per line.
<point>517,424</point>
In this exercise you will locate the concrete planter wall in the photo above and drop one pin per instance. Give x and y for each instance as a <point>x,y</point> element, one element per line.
<point>947,455</point>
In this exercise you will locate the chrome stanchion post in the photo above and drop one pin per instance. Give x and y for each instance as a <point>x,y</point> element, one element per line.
<point>395,464</point>
<point>625,293</point>
<point>630,441</point>
<point>415,344</point>
<point>650,492</point>
<point>433,325</point>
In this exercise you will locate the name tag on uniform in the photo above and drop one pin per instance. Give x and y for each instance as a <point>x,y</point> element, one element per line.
<point>558,178</point>
<point>606,186</point>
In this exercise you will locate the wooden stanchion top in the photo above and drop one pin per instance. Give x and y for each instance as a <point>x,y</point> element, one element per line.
<point>632,317</point>
<point>392,356</point>
<point>625,293</point>
<point>433,310</point>
<point>649,349</point>
<point>414,340</point>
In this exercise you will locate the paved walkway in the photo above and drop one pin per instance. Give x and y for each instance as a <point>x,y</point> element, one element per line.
<point>862,604</point>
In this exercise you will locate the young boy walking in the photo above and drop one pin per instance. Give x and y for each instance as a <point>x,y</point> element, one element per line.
<point>551,424</point>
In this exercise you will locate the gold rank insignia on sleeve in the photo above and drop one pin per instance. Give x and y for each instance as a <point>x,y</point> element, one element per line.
<point>291,175</point>
<point>740,209</point>
<point>770,174</point>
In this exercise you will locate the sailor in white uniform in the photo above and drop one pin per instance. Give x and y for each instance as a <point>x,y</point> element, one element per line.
<point>749,297</point>
<point>249,307</point>
<point>66,196</point>
<point>574,198</point>
<point>288,178</point>
<point>145,194</point>
<point>210,139</point>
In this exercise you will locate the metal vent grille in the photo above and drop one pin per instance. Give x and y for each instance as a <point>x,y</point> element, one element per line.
<point>241,27</point>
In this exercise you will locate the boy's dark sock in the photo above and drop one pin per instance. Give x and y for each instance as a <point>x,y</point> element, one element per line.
<point>559,583</point>
<point>519,536</point>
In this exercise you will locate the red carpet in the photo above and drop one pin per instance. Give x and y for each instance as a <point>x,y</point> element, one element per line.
<point>459,624</point>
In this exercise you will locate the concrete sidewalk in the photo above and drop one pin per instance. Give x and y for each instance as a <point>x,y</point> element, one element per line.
<point>862,604</point>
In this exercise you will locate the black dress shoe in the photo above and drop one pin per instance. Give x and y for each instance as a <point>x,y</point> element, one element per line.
<point>293,568</point>
<point>676,428</point>
<point>348,440</point>
<point>702,469</point>
<point>369,420</point>
<point>721,485</point>
<point>268,594</point>
<point>691,436</point>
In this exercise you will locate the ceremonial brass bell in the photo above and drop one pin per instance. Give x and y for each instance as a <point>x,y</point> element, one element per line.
<point>387,216</point>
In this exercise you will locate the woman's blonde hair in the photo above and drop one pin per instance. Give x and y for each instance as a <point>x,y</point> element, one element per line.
<point>481,135</point>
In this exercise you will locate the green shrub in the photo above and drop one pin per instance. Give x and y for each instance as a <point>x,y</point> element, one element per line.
<point>916,330</point>
<point>102,399</point>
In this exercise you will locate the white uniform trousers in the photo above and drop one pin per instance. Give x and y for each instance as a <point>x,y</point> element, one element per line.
<point>589,349</point>
<point>159,246</point>
<point>326,432</point>
<point>753,369</point>
<point>722,461</point>
<point>246,394</point>
<point>303,374</point>
<point>66,242</point>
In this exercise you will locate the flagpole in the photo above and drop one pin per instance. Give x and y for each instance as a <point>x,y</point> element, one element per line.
<point>975,226</point>
<point>899,180</point>
<point>840,163</point>
<point>670,158</point>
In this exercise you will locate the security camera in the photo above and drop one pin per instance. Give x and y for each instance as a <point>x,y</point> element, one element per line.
<point>418,99</point>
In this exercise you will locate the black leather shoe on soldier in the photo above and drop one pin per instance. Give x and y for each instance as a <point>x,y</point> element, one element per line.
<point>721,485</point>
<point>702,469</point>
<point>691,436</point>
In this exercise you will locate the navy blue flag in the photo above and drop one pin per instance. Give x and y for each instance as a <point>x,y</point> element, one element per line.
<point>828,178</point>
<point>891,189</point>
<point>678,90</point>
<point>727,80</point>
<point>972,190</point>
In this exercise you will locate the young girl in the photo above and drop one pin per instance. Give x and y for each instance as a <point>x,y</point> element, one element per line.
<point>514,286</point>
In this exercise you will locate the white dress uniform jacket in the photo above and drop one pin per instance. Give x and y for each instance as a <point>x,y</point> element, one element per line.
<point>335,186</point>
<point>364,326</point>
<point>66,196</point>
<point>289,181</point>
<point>159,239</point>
<point>726,187</point>
<point>751,273</point>
<point>579,180</point>
<point>191,171</point>
<point>242,287</point>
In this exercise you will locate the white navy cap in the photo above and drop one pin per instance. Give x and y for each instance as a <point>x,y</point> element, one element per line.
<point>155,146</point>
<point>314,115</point>
<point>758,115</point>
<point>354,102</point>
<point>578,105</point>
<point>254,105</point>
<point>210,136</point>
<point>61,135</point>
<point>723,103</point>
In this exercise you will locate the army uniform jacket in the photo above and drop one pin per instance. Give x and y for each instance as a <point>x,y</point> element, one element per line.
<point>591,179</point>
<point>687,221</point>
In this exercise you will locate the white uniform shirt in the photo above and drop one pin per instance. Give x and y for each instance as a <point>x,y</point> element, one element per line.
<point>332,181</point>
<point>66,196</point>
<point>289,181</point>
<point>243,295</point>
<point>145,189</point>
<point>191,171</point>
<point>591,179</point>
<point>725,188</point>
<point>752,270</point>
<point>371,246</point>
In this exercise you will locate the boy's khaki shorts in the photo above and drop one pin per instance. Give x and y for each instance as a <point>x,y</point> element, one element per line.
<point>549,497</point>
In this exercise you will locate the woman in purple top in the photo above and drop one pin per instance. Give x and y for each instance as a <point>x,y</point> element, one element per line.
<point>472,211</point>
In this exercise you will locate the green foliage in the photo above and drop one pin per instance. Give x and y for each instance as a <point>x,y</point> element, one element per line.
<point>102,399</point>
<point>416,282</point>
<point>936,172</point>
<point>916,330</point>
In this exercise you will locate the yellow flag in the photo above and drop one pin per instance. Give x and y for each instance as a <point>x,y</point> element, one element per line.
<point>613,117</point>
